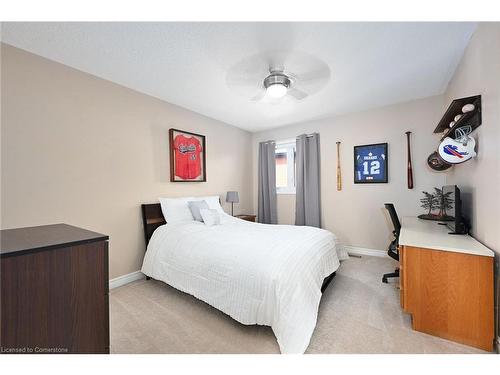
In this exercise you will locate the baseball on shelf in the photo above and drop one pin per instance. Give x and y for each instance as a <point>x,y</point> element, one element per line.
<point>468,108</point>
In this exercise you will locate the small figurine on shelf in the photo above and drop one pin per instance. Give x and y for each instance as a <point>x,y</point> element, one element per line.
<point>435,201</point>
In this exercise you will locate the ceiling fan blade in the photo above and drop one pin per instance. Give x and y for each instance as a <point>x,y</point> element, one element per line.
<point>311,81</point>
<point>321,73</point>
<point>246,76</point>
<point>309,74</point>
<point>259,96</point>
<point>296,93</point>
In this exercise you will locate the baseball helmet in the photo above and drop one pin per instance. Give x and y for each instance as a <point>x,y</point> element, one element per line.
<point>456,151</point>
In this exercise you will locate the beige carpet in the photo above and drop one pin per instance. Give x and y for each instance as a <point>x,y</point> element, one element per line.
<point>358,314</point>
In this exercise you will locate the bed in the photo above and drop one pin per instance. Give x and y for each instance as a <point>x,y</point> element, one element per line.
<point>263,274</point>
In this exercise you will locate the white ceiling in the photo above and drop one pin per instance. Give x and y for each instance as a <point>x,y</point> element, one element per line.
<point>371,64</point>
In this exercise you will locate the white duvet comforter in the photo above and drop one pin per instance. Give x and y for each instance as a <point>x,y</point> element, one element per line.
<point>256,273</point>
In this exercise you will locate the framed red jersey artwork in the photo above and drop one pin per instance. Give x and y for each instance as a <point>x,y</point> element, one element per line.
<point>187,156</point>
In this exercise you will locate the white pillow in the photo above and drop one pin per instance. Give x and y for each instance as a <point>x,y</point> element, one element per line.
<point>176,210</point>
<point>212,201</point>
<point>210,216</point>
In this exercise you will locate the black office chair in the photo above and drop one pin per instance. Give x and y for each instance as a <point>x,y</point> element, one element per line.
<point>393,247</point>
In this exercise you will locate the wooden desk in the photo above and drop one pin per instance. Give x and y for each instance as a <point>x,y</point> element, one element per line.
<point>446,283</point>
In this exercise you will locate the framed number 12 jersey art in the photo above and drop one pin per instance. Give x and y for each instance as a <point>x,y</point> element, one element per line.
<point>370,164</point>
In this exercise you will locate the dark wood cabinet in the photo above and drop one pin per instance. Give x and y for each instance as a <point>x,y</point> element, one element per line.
<point>54,290</point>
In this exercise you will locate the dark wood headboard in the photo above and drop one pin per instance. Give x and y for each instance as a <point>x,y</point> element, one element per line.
<point>152,218</point>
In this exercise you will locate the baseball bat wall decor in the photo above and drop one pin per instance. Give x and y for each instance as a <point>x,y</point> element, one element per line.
<point>339,175</point>
<point>410,168</point>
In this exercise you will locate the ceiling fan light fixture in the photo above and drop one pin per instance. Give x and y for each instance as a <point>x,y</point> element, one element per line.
<point>276,85</point>
<point>276,90</point>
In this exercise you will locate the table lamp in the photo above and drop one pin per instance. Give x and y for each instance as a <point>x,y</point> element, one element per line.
<point>232,197</point>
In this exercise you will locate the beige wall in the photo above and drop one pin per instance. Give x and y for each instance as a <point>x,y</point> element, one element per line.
<point>356,214</point>
<point>479,179</point>
<point>84,151</point>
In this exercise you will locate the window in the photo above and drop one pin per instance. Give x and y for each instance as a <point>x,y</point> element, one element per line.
<point>285,167</point>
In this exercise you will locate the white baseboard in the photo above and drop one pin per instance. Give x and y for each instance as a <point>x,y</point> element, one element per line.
<point>125,279</point>
<point>355,250</point>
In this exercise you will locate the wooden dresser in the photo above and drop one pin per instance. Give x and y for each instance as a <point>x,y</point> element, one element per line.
<point>54,290</point>
<point>446,283</point>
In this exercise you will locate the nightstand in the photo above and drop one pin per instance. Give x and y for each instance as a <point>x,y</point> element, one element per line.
<point>246,217</point>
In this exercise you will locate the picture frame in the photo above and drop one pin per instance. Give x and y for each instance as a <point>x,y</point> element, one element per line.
<point>371,163</point>
<point>187,156</point>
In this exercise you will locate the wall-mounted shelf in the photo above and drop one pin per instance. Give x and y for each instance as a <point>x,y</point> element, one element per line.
<point>470,118</point>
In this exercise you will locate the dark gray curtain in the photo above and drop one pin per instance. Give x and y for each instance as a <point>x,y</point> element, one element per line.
<point>307,200</point>
<point>267,212</point>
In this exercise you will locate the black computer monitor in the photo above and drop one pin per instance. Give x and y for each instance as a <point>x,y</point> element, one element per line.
<point>452,209</point>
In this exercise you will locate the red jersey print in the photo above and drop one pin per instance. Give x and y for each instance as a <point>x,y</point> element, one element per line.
<point>187,157</point>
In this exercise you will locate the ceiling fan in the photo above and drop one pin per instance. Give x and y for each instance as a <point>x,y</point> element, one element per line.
<point>273,75</point>
<point>278,84</point>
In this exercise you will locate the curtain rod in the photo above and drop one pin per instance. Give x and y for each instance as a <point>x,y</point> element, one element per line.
<point>291,139</point>
<point>309,135</point>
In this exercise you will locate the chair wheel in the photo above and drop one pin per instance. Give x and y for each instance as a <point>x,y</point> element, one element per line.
<point>384,280</point>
